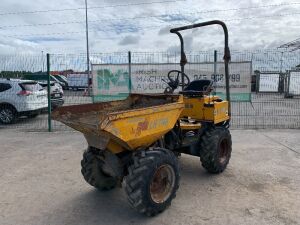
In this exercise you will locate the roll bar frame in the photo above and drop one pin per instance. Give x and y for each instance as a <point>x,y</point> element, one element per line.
<point>226,58</point>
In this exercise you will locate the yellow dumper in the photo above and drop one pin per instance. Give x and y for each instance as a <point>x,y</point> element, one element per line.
<point>136,141</point>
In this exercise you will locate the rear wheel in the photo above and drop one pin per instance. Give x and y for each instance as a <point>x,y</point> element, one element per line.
<point>152,181</point>
<point>8,114</point>
<point>91,169</point>
<point>215,149</point>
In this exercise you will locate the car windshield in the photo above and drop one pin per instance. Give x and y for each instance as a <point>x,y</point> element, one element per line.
<point>31,86</point>
<point>59,78</point>
<point>63,78</point>
<point>52,78</point>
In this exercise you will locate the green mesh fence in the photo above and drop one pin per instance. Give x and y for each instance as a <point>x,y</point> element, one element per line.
<point>112,77</point>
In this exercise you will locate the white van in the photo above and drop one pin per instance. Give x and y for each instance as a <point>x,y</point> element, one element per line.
<point>78,81</point>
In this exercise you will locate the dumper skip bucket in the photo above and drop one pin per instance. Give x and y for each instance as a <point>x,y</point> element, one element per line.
<point>136,122</point>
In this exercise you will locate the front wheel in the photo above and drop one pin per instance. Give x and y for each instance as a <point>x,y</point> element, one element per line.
<point>215,149</point>
<point>152,181</point>
<point>91,169</point>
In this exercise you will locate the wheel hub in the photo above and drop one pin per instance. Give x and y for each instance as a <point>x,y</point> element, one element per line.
<point>162,183</point>
<point>6,115</point>
<point>224,151</point>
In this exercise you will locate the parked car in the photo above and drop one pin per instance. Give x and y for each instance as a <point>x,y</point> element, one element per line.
<point>42,77</point>
<point>21,98</point>
<point>56,93</point>
<point>63,80</point>
<point>78,81</point>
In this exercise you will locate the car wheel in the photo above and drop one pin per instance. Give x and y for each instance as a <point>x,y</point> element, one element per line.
<point>8,114</point>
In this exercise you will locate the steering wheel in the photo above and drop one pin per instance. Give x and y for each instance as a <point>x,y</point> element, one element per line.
<point>175,83</point>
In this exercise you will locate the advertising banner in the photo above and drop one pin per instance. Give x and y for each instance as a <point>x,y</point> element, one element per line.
<point>110,82</point>
<point>113,80</point>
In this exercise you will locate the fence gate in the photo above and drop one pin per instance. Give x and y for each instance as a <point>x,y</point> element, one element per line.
<point>293,84</point>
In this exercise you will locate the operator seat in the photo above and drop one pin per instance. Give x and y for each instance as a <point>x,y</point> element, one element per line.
<point>198,88</point>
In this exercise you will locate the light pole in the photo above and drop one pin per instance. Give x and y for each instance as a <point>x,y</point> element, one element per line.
<point>87,47</point>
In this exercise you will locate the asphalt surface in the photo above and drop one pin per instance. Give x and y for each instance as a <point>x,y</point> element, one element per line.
<point>41,184</point>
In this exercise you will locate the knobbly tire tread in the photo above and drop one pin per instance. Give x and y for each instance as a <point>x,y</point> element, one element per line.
<point>139,177</point>
<point>93,174</point>
<point>209,147</point>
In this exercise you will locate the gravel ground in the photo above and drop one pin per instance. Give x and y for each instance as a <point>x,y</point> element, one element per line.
<point>41,184</point>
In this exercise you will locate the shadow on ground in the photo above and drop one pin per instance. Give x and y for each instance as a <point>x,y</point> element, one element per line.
<point>95,207</point>
<point>111,207</point>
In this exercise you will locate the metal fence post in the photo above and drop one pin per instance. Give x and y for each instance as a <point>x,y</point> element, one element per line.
<point>48,93</point>
<point>287,94</point>
<point>215,61</point>
<point>215,68</point>
<point>129,70</point>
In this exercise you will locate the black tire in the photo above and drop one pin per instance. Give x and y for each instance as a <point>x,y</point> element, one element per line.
<point>91,169</point>
<point>144,191</point>
<point>215,149</point>
<point>8,114</point>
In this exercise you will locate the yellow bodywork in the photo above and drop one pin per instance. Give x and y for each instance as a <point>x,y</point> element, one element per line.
<point>142,127</point>
<point>205,108</point>
<point>189,126</point>
<point>140,120</point>
<point>130,124</point>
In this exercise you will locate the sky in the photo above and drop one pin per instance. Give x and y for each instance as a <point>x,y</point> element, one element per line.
<point>33,26</point>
